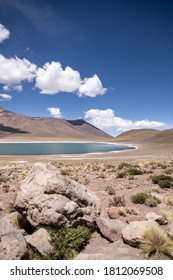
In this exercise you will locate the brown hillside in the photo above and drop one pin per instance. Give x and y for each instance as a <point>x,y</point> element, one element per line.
<point>13,124</point>
<point>146,135</point>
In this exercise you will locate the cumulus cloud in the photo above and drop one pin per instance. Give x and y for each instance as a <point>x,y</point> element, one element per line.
<point>5,97</point>
<point>106,120</point>
<point>15,70</point>
<point>91,87</point>
<point>4,33</point>
<point>55,112</point>
<point>49,79</point>
<point>52,79</point>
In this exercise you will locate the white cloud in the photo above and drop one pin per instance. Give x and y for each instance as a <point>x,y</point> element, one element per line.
<point>106,120</point>
<point>5,97</point>
<point>91,87</point>
<point>55,112</point>
<point>15,70</point>
<point>4,33</point>
<point>52,79</point>
<point>13,87</point>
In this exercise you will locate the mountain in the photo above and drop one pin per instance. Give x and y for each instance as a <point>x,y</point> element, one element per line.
<point>146,135</point>
<point>21,126</point>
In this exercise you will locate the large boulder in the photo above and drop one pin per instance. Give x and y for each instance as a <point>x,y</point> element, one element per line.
<point>47,197</point>
<point>12,243</point>
<point>133,233</point>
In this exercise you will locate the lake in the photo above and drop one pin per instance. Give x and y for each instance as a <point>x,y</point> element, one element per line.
<point>49,148</point>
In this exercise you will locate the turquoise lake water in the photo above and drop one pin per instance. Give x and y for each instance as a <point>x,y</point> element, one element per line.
<point>58,148</point>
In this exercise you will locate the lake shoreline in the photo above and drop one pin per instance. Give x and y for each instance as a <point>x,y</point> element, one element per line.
<point>63,148</point>
<point>143,151</point>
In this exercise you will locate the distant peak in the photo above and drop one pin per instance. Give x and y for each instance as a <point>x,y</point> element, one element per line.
<point>2,109</point>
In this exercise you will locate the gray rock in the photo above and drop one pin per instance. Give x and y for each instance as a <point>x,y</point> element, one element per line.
<point>12,243</point>
<point>40,240</point>
<point>151,216</point>
<point>110,228</point>
<point>47,197</point>
<point>132,234</point>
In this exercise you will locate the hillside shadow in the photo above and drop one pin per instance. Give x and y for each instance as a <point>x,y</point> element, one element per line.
<point>11,129</point>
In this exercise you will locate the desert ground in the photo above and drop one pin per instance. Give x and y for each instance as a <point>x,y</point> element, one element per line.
<point>113,177</point>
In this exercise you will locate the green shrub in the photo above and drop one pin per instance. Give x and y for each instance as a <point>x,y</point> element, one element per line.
<point>156,178</point>
<point>66,242</point>
<point>121,175</point>
<point>144,198</point>
<point>134,171</point>
<point>164,181</point>
<point>139,198</point>
<point>165,184</point>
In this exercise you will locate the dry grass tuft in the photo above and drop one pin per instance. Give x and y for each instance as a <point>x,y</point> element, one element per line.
<point>167,215</point>
<point>122,211</point>
<point>156,244</point>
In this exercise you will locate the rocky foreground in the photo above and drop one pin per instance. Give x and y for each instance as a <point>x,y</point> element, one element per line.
<point>119,201</point>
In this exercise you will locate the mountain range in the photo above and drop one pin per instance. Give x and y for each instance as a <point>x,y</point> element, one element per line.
<point>16,125</point>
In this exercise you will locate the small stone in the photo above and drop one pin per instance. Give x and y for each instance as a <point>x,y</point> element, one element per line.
<point>151,216</point>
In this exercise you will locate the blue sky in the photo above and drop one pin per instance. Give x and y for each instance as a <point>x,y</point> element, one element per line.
<point>109,62</point>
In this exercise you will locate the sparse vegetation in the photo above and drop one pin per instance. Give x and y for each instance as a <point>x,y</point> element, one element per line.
<point>101,178</point>
<point>134,171</point>
<point>140,198</point>
<point>156,244</point>
<point>123,165</point>
<point>101,174</point>
<point>6,188</point>
<point>152,201</point>
<point>117,201</point>
<point>121,174</point>
<point>110,190</point>
<point>144,198</point>
<point>164,181</point>
<point>132,211</point>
